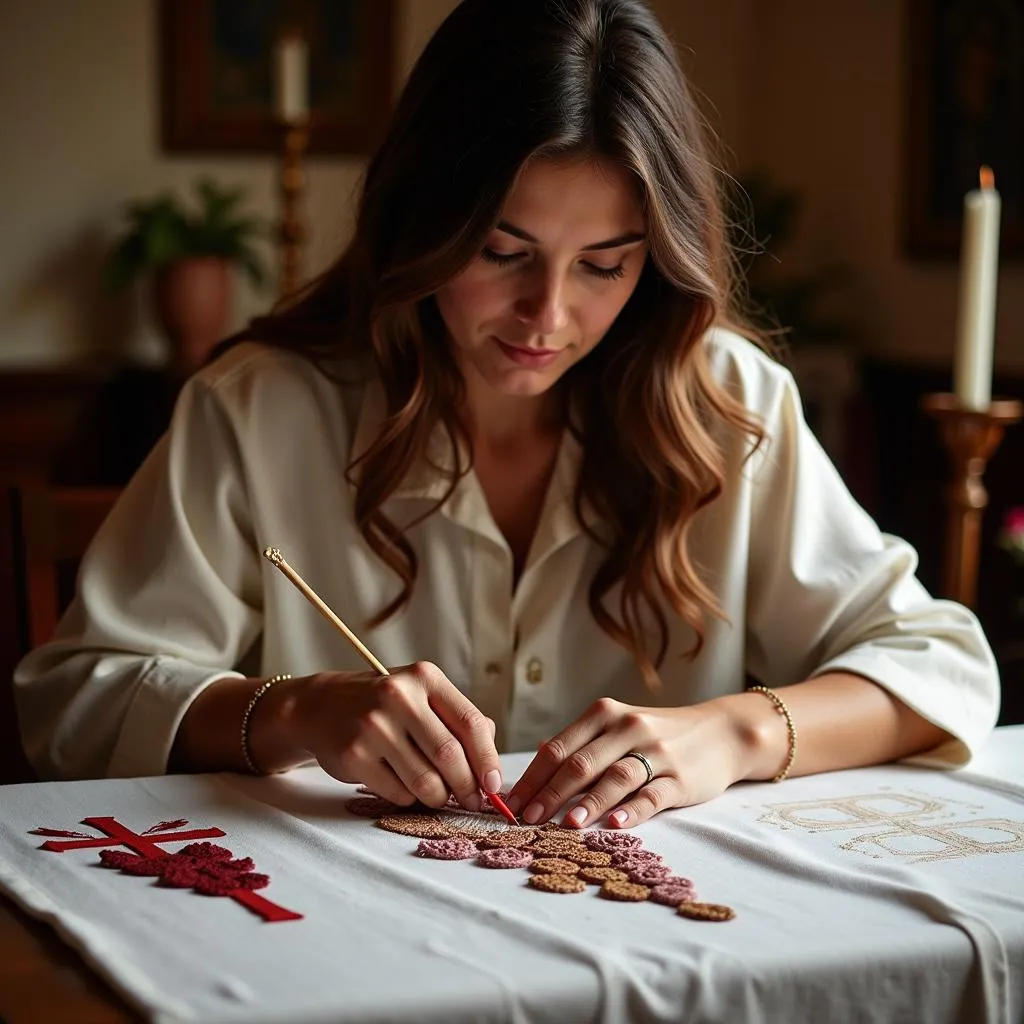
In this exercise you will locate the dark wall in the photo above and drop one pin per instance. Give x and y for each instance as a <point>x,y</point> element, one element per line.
<point>905,492</point>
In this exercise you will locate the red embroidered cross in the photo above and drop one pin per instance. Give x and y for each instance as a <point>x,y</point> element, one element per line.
<point>145,844</point>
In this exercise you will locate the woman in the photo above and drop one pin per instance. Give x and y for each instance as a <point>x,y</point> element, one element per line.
<point>514,438</point>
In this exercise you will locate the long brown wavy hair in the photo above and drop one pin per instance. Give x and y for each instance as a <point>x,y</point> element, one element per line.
<point>502,81</point>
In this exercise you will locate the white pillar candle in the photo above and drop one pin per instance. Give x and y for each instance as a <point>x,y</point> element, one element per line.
<point>976,313</point>
<point>291,79</point>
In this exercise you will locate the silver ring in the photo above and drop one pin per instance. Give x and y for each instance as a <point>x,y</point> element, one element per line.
<point>643,760</point>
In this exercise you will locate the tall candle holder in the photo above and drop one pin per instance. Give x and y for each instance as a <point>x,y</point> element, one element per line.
<point>971,437</point>
<point>291,231</point>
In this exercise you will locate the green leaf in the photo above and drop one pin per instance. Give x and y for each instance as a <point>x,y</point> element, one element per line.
<point>161,230</point>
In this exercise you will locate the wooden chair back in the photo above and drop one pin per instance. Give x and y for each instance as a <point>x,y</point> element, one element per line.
<point>55,526</point>
<point>49,530</point>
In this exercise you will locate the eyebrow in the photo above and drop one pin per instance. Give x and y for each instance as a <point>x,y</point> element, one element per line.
<point>612,243</point>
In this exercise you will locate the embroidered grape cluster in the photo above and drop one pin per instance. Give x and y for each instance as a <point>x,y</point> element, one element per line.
<point>204,867</point>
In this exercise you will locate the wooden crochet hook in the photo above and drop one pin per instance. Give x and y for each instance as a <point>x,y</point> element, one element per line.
<point>274,556</point>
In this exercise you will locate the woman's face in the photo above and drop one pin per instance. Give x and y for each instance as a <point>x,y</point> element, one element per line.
<point>552,277</point>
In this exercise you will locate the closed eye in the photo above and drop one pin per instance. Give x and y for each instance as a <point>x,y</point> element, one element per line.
<point>502,259</point>
<point>605,273</point>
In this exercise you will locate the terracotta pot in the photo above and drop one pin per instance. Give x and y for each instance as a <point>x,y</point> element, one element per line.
<point>193,299</point>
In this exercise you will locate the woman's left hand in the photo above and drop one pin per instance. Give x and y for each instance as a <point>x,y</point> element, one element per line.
<point>695,753</point>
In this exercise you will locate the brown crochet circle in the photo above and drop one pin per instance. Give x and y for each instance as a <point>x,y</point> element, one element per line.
<point>589,858</point>
<point>371,806</point>
<point>624,892</point>
<point>557,847</point>
<point>554,866</point>
<point>507,837</point>
<point>706,911</point>
<point>600,875</point>
<point>557,883</point>
<point>423,826</point>
<point>552,831</point>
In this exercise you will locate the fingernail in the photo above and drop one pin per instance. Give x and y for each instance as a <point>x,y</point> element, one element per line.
<point>533,813</point>
<point>513,803</point>
<point>578,815</point>
<point>473,802</point>
<point>492,781</point>
<point>619,818</point>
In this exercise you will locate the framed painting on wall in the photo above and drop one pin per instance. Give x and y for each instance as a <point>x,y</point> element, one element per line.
<point>217,81</point>
<point>965,110</point>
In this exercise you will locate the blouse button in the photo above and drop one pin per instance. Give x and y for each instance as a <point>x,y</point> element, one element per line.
<point>492,668</point>
<point>534,671</point>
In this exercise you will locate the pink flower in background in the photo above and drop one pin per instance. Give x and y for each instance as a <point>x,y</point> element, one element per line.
<point>1011,536</point>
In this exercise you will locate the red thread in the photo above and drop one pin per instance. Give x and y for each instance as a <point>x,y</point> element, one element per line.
<point>121,836</point>
<point>165,825</point>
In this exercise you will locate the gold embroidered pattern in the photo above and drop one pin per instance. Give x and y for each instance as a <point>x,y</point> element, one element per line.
<point>915,828</point>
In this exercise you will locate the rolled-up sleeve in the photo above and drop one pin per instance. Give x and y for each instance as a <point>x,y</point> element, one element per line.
<point>167,601</point>
<point>828,592</point>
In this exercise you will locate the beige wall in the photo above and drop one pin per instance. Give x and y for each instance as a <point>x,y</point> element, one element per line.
<point>716,48</point>
<point>79,136</point>
<point>812,91</point>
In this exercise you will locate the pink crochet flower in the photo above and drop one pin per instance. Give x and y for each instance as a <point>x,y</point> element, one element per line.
<point>609,841</point>
<point>504,857</point>
<point>672,894</point>
<point>648,874</point>
<point>457,848</point>
<point>626,859</point>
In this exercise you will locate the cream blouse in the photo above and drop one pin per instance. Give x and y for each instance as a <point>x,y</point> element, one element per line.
<point>174,593</point>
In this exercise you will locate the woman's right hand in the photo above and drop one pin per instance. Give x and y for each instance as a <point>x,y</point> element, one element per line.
<point>411,735</point>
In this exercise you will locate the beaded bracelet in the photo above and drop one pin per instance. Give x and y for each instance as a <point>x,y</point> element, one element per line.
<point>247,717</point>
<point>780,706</point>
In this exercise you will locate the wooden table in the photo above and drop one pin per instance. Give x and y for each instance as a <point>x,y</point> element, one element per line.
<point>42,979</point>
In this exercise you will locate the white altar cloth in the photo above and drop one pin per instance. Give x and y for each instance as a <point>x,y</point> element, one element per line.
<point>877,895</point>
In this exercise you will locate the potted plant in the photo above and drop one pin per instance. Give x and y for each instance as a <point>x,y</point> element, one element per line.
<point>190,255</point>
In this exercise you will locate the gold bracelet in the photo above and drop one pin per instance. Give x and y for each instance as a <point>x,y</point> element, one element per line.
<point>247,718</point>
<point>780,706</point>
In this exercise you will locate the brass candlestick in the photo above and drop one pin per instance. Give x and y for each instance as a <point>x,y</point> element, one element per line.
<point>971,437</point>
<point>292,182</point>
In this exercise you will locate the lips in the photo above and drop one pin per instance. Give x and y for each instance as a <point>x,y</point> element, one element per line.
<point>535,357</point>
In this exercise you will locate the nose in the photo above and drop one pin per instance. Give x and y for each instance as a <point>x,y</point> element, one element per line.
<point>543,305</point>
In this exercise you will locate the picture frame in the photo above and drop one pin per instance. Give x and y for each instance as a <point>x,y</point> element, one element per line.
<point>965,109</point>
<point>216,73</point>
